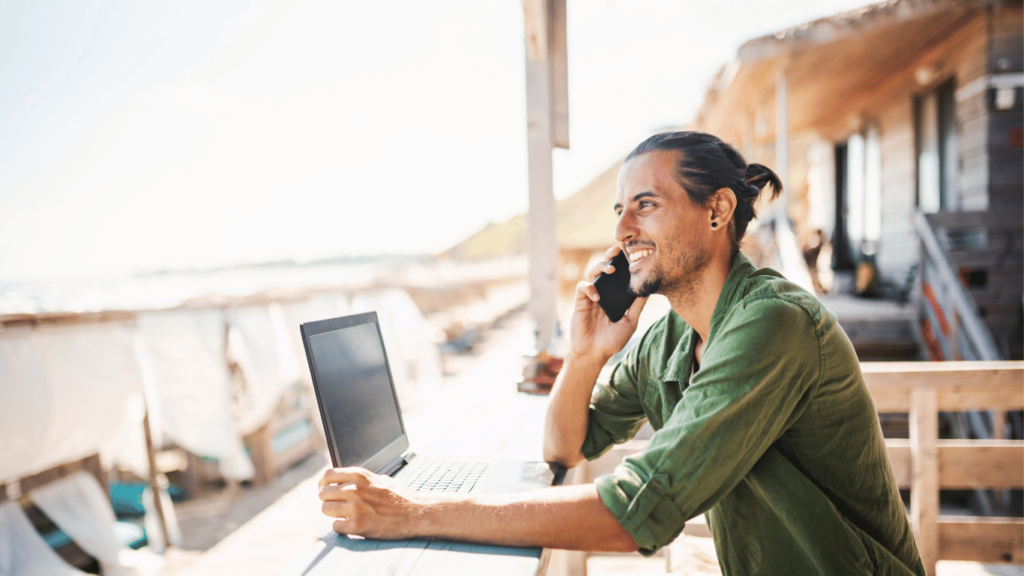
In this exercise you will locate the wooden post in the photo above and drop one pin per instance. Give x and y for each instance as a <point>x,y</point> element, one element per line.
<point>541,232</point>
<point>782,140</point>
<point>924,487</point>
<point>156,480</point>
<point>559,56</point>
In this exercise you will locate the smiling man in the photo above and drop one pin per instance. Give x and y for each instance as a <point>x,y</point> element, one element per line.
<point>762,419</point>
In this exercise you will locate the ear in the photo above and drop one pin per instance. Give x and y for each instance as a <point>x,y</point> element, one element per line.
<point>722,205</point>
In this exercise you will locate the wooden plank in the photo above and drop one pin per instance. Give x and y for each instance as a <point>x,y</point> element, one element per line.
<point>14,490</point>
<point>981,463</point>
<point>891,399</point>
<point>977,396</point>
<point>981,539</point>
<point>924,489</point>
<point>981,397</point>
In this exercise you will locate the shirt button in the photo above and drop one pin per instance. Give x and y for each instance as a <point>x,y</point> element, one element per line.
<point>656,484</point>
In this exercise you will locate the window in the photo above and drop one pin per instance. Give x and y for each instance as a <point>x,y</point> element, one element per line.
<point>937,152</point>
<point>859,198</point>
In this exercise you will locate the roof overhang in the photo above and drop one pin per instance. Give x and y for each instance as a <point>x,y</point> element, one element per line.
<point>836,67</point>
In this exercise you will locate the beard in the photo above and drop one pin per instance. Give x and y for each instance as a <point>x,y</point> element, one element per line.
<point>686,274</point>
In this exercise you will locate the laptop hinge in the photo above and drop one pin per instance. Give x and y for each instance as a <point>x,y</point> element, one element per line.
<point>396,463</point>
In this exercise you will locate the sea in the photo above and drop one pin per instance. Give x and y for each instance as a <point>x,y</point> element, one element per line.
<point>168,289</point>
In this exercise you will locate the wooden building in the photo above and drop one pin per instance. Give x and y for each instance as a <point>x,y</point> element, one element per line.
<point>897,129</point>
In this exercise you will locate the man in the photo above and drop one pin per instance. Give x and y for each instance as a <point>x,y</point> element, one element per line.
<point>761,415</point>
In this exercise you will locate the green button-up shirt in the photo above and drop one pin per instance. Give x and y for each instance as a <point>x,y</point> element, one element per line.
<point>775,438</point>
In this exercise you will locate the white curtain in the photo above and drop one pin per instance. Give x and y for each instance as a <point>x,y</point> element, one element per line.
<point>186,350</point>
<point>23,552</point>
<point>67,391</point>
<point>78,505</point>
<point>258,343</point>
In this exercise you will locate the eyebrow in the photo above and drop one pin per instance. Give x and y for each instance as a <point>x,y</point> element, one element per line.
<point>639,195</point>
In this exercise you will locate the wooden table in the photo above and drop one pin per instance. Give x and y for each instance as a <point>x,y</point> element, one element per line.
<point>479,416</point>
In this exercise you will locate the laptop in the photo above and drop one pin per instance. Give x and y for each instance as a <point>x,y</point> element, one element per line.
<point>363,420</point>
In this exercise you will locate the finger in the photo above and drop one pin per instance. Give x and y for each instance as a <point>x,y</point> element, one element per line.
<point>601,265</point>
<point>343,526</point>
<point>586,290</point>
<point>337,509</point>
<point>338,492</point>
<point>356,476</point>
<point>633,313</point>
<point>612,252</point>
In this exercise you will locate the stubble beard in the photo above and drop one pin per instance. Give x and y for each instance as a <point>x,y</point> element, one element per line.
<point>689,266</point>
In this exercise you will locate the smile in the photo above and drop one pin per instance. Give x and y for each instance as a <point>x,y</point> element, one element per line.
<point>638,255</point>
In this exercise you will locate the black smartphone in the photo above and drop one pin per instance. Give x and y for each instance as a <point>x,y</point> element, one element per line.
<point>614,289</point>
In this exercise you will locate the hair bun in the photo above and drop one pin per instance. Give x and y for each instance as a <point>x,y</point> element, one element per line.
<point>759,176</point>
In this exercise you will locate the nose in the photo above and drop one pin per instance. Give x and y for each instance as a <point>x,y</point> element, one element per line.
<point>625,228</point>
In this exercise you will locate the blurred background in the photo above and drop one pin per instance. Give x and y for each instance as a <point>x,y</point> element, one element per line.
<point>185,183</point>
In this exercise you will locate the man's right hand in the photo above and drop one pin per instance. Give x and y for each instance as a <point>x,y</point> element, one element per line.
<point>591,334</point>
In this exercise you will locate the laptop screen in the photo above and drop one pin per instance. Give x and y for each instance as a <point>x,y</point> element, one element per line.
<point>357,399</point>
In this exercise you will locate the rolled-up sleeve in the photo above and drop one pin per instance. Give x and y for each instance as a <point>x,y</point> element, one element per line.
<point>616,413</point>
<point>759,371</point>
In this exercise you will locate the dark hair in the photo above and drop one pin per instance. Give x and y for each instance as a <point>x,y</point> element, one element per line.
<point>706,164</point>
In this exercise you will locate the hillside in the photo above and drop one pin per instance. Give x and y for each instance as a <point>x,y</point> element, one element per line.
<point>585,219</point>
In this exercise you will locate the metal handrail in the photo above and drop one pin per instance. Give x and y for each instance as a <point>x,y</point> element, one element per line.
<point>964,307</point>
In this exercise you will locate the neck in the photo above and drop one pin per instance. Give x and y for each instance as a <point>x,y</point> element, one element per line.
<point>696,304</point>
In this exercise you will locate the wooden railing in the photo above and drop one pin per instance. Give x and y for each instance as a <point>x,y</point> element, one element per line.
<point>926,464</point>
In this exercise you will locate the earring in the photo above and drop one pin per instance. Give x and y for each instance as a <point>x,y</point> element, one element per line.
<point>714,224</point>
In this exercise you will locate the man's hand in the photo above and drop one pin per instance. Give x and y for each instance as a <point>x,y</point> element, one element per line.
<point>594,339</point>
<point>591,333</point>
<point>567,517</point>
<point>369,504</point>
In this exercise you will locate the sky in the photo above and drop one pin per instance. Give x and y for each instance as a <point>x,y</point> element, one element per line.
<point>140,136</point>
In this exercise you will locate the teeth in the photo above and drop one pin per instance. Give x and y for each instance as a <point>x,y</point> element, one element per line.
<point>634,256</point>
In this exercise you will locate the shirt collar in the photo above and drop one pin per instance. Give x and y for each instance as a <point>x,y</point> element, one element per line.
<point>680,364</point>
<point>741,269</point>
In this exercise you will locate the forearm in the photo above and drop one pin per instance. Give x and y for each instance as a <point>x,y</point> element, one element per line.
<point>565,425</point>
<point>568,518</point>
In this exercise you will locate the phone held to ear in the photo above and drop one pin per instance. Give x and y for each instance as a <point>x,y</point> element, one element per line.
<point>614,289</point>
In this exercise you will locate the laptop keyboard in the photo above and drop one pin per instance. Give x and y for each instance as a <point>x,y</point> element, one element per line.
<point>447,476</point>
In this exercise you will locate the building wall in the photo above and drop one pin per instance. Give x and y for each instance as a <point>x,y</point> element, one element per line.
<point>972,118</point>
<point>898,247</point>
<point>1006,157</point>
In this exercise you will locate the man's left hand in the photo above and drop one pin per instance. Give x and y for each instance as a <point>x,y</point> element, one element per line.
<point>369,504</point>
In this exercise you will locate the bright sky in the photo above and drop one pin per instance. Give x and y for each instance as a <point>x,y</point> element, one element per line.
<point>137,136</point>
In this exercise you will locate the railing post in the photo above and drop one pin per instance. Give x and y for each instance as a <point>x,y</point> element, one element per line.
<point>924,487</point>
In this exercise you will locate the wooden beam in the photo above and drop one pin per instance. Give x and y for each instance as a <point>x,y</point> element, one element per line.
<point>960,385</point>
<point>981,539</point>
<point>965,464</point>
<point>14,490</point>
<point>924,488</point>
<point>981,464</point>
<point>559,56</point>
